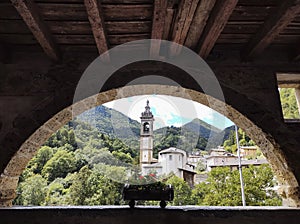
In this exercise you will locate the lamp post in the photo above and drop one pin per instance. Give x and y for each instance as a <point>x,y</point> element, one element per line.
<point>240,165</point>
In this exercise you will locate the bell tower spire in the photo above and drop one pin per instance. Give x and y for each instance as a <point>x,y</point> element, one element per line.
<point>146,136</point>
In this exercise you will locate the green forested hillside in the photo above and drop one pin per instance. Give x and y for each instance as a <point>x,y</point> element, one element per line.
<point>191,136</point>
<point>230,142</point>
<point>73,167</point>
<point>289,103</point>
<point>113,123</point>
<point>219,138</point>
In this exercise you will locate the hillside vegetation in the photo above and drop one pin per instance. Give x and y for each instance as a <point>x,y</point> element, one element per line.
<point>289,103</point>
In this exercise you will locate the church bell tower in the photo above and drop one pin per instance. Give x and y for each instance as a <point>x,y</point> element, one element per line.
<point>146,139</point>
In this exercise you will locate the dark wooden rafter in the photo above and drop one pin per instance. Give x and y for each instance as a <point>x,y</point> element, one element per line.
<point>158,22</point>
<point>215,25</point>
<point>169,19</point>
<point>182,23</point>
<point>275,23</point>
<point>202,13</point>
<point>29,12</point>
<point>95,16</point>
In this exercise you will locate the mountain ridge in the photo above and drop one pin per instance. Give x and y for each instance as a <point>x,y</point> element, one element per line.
<point>190,136</point>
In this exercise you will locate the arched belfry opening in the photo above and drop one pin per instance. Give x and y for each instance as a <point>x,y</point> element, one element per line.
<point>268,145</point>
<point>146,127</point>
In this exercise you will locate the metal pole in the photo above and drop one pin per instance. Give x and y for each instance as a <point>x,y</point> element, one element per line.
<point>240,166</point>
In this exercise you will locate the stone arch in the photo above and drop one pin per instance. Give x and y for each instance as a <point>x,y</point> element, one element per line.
<point>9,178</point>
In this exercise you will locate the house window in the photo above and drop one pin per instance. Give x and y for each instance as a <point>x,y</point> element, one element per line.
<point>170,157</point>
<point>289,91</point>
<point>289,103</point>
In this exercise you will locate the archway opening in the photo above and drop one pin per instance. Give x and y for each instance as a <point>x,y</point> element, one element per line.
<point>29,148</point>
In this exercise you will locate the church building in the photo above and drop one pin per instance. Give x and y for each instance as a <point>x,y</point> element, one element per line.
<point>171,160</point>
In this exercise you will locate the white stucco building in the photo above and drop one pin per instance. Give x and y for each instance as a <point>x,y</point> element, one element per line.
<point>171,160</point>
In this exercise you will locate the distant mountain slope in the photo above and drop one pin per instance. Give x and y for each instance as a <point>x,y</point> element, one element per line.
<point>111,122</point>
<point>198,126</point>
<point>219,138</point>
<point>193,135</point>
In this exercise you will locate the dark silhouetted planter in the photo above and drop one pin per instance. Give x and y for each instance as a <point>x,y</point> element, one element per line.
<point>148,192</point>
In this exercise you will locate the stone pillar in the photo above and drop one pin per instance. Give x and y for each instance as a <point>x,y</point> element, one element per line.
<point>297,93</point>
<point>8,187</point>
<point>290,195</point>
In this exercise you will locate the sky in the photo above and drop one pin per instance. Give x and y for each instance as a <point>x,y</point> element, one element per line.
<point>169,110</point>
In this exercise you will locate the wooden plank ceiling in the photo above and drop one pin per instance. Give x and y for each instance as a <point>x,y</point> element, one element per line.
<point>57,26</point>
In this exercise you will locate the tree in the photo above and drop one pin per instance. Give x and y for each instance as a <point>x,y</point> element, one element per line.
<point>201,166</point>
<point>93,188</point>
<point>32,191</point>
<point>37,163</point>
<point>182,191</point>
<point>56,193</point>
<point>103,191</point>
<point>223,187</point>
<point>79,191</point>
<point>62,163</point>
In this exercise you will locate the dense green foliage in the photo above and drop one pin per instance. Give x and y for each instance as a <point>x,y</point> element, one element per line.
<point>182,192</point>
<point>289,103</point>
<point>179,138</point>
<point>222,188</point>
<point>72,168</point>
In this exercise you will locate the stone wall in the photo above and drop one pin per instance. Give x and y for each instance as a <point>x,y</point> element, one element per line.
<point>170,215</point>
<point>33,90</point>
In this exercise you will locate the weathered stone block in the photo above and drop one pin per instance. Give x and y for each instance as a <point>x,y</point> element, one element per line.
<point>7,194</point>
<point>7,182</point>
<point>90,102</point>
<point>40,136</point>
<point>53,125</point>
<point>78,108</point>
<point>63,116</point>
<point>106,96</point>
<point>16,165</point>
<point>28,149</point>
<point>6,203</point>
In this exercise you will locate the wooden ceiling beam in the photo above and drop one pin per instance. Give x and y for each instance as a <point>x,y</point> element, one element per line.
<point>271,28</point>
<point>95,15</point>
<point>199,21</point>
<point>169,20</point>
<point>182,23</point>
<point>29,12</point>
<point>215,25</point>
<point>158,23</point>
